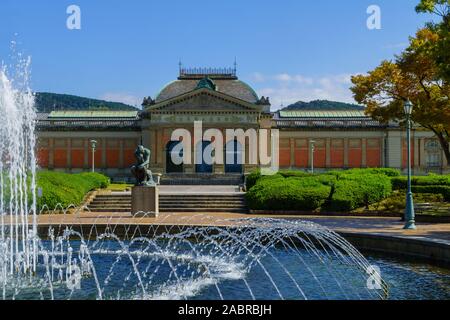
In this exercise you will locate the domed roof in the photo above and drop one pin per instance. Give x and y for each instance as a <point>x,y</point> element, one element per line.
<point>232,87</point>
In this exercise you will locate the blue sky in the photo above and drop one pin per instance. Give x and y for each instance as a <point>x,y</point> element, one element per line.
<point>289,50</point>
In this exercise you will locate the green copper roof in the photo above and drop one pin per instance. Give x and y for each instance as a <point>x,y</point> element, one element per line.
<point>206,83</point>
<point>93,114</point>
<point>323,114</point>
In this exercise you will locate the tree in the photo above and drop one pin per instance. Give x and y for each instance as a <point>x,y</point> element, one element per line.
<point>413,75</point>
<point>441,50</point>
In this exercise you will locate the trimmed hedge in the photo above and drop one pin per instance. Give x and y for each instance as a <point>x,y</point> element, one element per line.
<point>67,189</point>
<point>400,183</point>
<point>252,178</point>
<point>352,191</point>
<point>347,189</point>
<point>291,194</point>
<point>443,190</point>
<point>384,171</point>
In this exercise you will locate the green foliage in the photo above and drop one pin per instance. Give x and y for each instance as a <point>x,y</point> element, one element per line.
<point>337,191</point>
<point>397,202</point>
<point>67,189</point>
<point>352,191</point>
<point>444,190</point>
<point>292,194</point>
<point>46,102</point>
<point>252,178</point>
<point>294,173</point>
<point>400,183</point>
<point>385,171</point>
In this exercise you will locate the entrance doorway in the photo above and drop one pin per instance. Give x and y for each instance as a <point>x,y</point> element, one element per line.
<point>203,167</point>
<point>233,157</point>
<point>170,166</point>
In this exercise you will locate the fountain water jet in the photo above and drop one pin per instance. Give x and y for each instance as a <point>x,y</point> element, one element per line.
<point>17,173</point>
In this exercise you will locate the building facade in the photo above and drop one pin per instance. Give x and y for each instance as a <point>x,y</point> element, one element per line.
<point>217,98</point>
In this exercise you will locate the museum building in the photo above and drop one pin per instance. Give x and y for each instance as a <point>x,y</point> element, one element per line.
<point>217,98</point>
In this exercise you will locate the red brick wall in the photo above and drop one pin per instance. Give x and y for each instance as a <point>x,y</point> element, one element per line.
<point>301,158</point>
<point>355,153</point>
<point>285,153</point>
<point>77,158</point>
<point>337,153</point>
<point>373,153</point>
<point>112,158</point>
<point>60,158</point>
<point>320,154</point>
<point>337,158</point>
<point>42,157</point>
<point>301,153</point>
<point>128,157</point>
<point>320,158</point>
<point>285,157</point>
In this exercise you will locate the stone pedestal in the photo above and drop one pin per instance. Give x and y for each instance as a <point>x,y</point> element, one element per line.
<point>145,201</point>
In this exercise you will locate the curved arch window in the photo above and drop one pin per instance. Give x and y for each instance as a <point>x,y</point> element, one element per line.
<point>432,144</point>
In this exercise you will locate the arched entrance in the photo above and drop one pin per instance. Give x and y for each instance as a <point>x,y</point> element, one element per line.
<point>233,157</point>
<point>171,167</point>
<point>203,167</point>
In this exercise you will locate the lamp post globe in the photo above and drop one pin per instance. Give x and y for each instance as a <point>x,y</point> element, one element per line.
<point>93,146</point>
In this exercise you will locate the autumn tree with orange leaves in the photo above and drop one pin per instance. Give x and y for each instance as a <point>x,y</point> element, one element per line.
<point>419,74</point>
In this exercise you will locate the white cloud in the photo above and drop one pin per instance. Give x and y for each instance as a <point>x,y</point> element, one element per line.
<point>122,97</point>
<point>284,89</point>
<point>257,77</point>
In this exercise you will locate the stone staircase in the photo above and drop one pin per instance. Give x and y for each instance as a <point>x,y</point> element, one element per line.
<point>121,202</point>
<point>201,179</point>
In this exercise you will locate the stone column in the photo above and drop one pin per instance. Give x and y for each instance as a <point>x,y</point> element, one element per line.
<point>69,154</point>
<point>422,154</point>
<point>86,154</point>
<point>121,155</point>
<point>103,150</point>
<point>328,153</point>
<point>394,149</point>
<point>416,151</point>
<point>51,153</point>
<point>292,149</point>
<point>364,153</point>
<point>346,153</point>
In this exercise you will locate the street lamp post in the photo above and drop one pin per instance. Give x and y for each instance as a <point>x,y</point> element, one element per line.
<point>94,146</point>
<point>409,211</point>
<point>312,155</point>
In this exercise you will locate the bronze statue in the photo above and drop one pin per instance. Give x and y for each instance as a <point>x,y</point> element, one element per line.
<point>140,170</point>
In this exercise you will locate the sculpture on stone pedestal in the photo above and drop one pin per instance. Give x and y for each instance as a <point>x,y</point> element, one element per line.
<point>141,170</point>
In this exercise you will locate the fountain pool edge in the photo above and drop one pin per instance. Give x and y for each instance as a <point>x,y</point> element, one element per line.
<point>433,251</point>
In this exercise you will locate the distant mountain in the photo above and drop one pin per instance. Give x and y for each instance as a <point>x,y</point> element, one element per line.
<point>322,105</point>
<point>47,102</point>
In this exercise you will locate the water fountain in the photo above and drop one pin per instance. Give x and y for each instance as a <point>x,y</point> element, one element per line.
<point>234,259</point>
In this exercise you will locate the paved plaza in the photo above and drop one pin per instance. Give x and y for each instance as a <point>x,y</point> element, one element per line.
<point>379,225</point>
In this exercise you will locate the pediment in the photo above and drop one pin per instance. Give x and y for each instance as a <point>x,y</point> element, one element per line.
<point>204,100</point>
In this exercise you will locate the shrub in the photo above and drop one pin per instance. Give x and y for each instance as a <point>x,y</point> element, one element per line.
<point>252,178</point>
<point>67,189</point>
<point>397,201</point>
<point>384,171</point>
<point>400,183</point>
<point>352,191</point>
<point>287,194</point>
<point>293,173</point>
<point>443,190</point>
